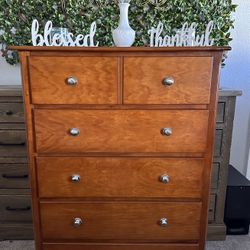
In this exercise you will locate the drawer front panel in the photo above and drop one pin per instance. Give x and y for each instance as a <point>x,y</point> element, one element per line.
<point>121,221</point>
<point>14,231</point>
<point>120,131</point>
<point>218,142</point>
<point>220,118</point>
<point>13,176</point>
<point>119,177</point>
<point>144,78</point>
<point>10,137</point>
<point>215,175</point>
<point>15,208</point>
<point>13,150</point>
<point>100,246</point>
<point>11,112</point>
<point>212,208</point>
<point>97,80</point>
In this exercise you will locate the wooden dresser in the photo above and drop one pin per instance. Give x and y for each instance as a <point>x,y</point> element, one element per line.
<point>120,145</point>
<point>222,146</point>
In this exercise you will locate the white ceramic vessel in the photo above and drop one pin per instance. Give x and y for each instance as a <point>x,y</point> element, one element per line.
<point>123,35</point>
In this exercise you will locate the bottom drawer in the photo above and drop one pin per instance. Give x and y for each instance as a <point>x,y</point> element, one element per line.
<point>16,232</point>
<point>120,247</point>
<point>15,208</point>
<point>151,221</point>
<point>212,206</point>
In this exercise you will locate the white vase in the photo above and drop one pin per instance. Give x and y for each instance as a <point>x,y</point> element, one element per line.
<point>123,35</point>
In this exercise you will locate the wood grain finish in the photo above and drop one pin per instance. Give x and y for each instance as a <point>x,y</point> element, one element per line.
<point>225,113</point>
<point>119,49</point>
<point>120,131</point>
<point>117,123</point>
<point>119,177</point>
<point>15,198</point>
<point>11,113</point>
<point>15,208</point>
<point>14,176</point>
<point>121,221</point>
<point>211,210</point>
<point>97,80</point>
<point>143,80</point>
<point>24,59</point>
<point>103,246</point>
<point>10,137</point>
<point>10,150</point>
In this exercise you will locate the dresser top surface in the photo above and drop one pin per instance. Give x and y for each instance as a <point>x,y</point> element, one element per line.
<point>118,49</point>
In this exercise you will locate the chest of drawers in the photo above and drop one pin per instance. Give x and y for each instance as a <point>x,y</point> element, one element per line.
<point>15,198</point>
<point>120,145</point>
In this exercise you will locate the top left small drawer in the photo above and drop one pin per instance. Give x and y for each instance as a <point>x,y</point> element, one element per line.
<point>74,80</point>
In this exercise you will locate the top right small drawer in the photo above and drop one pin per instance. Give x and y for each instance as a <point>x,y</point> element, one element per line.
<point>167,80</point>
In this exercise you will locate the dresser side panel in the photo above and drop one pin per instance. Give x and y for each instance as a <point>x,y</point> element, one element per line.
<point>24,57</point>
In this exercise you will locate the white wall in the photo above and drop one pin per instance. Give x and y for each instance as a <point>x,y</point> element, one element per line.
<point>235,75</point>
<point>9,75</point>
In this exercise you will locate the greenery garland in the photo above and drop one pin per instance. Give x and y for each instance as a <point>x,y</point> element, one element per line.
<point>16,18</point>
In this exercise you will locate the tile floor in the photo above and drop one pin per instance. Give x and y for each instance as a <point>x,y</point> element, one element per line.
<point>231,243</point>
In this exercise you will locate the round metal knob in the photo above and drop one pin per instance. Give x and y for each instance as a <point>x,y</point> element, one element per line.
<point>74,131</point>
<point>75,178</point>
<point>167,131</point>
<point>72,81</point>
<point>168,81</point>
<point>163,222</point>
<point>164,179</point>
<point>77,222</point>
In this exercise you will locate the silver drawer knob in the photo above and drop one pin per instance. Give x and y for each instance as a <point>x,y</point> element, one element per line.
<point>77,222</point>
<point>168,81</point>
<point>75,178</point>
<point>72,81</point>
<point>163,222</point>
<point>74,131</point>
<point>167,131</point>
<point>164,179</point>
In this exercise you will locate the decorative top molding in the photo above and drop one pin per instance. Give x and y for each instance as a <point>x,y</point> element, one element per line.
<point>118,49</point>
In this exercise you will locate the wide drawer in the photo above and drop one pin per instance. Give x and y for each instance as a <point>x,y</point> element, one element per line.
<point>119,177</point>
<point>14,231</point>
<point>10,150</point>
<point>167,80</point>
<point>121,221</point>
<point>11,112</point>
<point>102,246</point>
<point>12,137</point>
<point>120,131</point>
<point>15,208</point>
<point>13,176</point>
<point>74,80</point>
